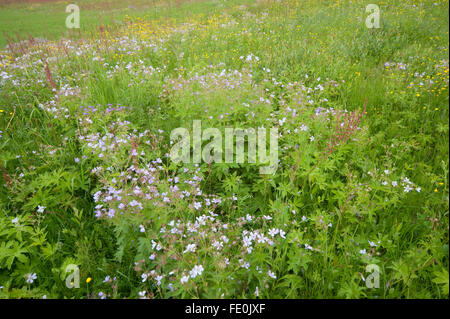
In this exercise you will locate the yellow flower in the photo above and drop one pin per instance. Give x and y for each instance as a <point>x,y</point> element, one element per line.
<point>88,280</point>
<point>435,190</point>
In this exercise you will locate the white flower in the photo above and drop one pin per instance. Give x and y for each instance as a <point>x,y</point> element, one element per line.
<point>271,274</point>
<point>196,271</point>
<point>197,205</point>
<point>372,244</point>
<point>394,183</point>
<point>15,221</point>
<point>158,280</point>
<point>273,231</point>
<point>142,229</point>
<point>407,189</point>
<point>30,277</point>
<point>312,138</point>
<point>184,279</point>
<point>257,291</point>
<point>190,247</point>
<point>308,247</point>
<point>142,294</point>
<point>362,251</point>
<point>41,209</point>
<point>144,277</point>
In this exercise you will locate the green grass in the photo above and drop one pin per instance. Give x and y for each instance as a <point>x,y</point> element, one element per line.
<point>378,198</point>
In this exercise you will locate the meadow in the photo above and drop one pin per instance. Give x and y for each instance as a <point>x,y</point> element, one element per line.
<point>92,206</point>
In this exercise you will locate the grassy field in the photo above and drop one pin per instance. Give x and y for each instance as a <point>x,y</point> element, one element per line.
<point>86,183</point>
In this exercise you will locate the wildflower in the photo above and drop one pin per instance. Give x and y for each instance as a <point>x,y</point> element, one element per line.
<point>41,209</point>
<point>394,183</point>
<point>142,294</point>
<point>257,291</point>
<point>190,248</point>
<point>197,205</point>
<point>88,280</point>
<point>30,277</point>
<point>102,295</point>
<point>407,189</point>
<point>271,274</point>
<point>372,244</point>
<point>184,279</point>
<point>308,247</point>
<point>273,232</point>
<point>362,251</point>
<point>142,229</point>
<point>158,280</point>
<point>15,221</point>
<point>196,271</point>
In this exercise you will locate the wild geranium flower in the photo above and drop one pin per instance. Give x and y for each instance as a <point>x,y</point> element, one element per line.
<point>190,248</point>
<point>30,278</point>
<point>184,279</point>
<point>407,189</point>
<point>41,209</point>
<point>197,205</point>
<point>271,274</point>
<point>158,280</point>
<point>142,294</point>
<point>273,232</point>
<point>196,271</point>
